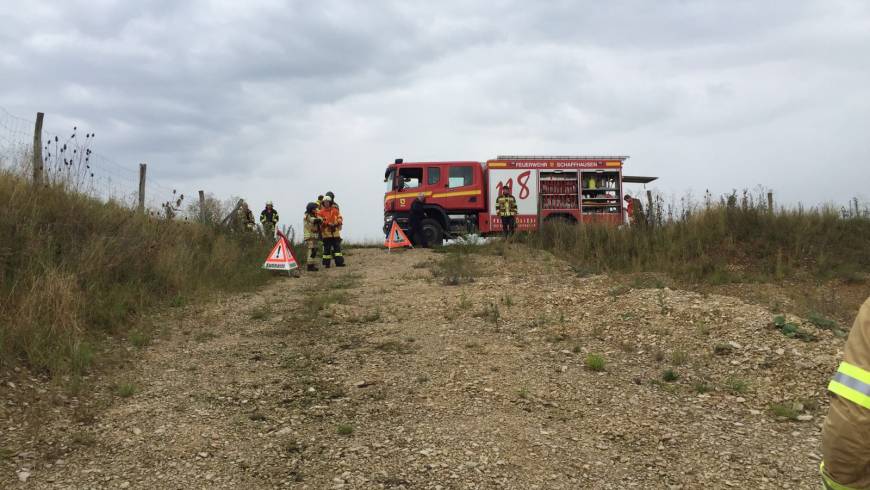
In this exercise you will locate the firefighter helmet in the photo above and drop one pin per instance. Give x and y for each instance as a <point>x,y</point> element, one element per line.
<point>331,194</point>
<point>268,203</point>
<point>311,207</point>
<point>327,198</point>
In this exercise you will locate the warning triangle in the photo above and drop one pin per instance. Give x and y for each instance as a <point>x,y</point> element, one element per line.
<point>396,238</point>
<point>281,257</point>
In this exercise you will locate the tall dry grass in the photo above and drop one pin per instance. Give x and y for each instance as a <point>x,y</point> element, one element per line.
<point>73,269</point>
<point>724,242</point>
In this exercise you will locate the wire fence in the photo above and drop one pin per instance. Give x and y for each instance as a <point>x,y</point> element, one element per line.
<point>69,159</point>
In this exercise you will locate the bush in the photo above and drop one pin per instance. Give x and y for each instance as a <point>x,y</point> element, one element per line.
<point>670,375</point>
<point>73,269</point>
<point>595,362</point>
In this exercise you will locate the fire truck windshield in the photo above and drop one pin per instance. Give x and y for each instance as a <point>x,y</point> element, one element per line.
<point>390,178</point>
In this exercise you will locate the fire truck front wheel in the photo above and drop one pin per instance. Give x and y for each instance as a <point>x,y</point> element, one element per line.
<point>433,231</point>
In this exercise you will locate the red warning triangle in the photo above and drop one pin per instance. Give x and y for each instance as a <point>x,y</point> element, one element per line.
<point>396,238</point>
<point>281,257</point>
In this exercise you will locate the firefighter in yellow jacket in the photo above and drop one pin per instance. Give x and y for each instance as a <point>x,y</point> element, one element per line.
<point>846,433</point>
<point>330,230</point>
<point>311,227</point>
<point>506,207</point>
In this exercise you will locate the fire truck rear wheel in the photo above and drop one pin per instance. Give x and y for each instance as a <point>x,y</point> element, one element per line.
<point>433,231</point>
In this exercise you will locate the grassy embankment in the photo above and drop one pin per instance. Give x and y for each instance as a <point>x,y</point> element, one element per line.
<point>73,269</point>
<point>817,258</point>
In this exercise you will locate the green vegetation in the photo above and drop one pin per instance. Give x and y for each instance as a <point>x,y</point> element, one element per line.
<point>595,362</point>
<point>669,375</point>
<point>736,385</point>
<point>125,390</point>
<point>457,266</point>
<point>345,430</point>
<point>679,357</point>
<point>791,330</point>
<point>73,269</point>
<point>701,244</point>
<point>785,410</point>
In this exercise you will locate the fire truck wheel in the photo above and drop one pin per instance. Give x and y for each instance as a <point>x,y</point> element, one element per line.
<point>433,231</point>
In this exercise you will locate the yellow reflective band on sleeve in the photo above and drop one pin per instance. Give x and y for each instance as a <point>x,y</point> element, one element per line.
<point>855,372</point>
<point>829,483</point>
<point>851,383</point>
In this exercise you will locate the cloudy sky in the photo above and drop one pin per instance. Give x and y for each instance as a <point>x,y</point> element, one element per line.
<point>283,100</point>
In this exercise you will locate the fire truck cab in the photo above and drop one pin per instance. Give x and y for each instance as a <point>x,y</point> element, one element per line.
<point>460,196</point>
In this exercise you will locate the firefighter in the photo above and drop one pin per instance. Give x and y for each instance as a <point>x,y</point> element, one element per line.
<point>244,218</point>
<point>846,432</point>
<point>269,219</point>
<point>506,207</point>
<point>418,214</point>
<point>634,209</point>
<point>311,227</point>
<point>332,197</point>
<point>330,230</point>
<point>319,201</point>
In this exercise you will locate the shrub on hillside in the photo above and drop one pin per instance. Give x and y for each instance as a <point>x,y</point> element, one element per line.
<point>72,267</point>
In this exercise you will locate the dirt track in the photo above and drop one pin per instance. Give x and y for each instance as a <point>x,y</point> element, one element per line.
<point>431,388</point>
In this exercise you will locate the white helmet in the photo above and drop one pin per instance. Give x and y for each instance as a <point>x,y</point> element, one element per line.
<point>268,203</point>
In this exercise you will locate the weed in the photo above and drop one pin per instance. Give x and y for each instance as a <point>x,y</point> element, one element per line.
<point>125,390</point>
<point>490,313</point>
<point>595,362</point>
<point>784,410</point>
<point>422,379</point>
<point>456,267</point>
<point>736,385</point>
<point>703,329</point>
<point>507,300</point>
<point>679,357</point>
<point>344,430</point>
<point>821,322</point>
<point>464,302</point>
<point>139,338</point>
<point>669,375</point>
<point>577,349</point>
<point>559,337</point>
<point>701,387</point>
<point>791,330</point>
<point>523,393</point>
<point>659,355</point>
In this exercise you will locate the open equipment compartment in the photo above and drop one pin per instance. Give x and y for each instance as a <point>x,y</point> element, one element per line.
<point>559,190</point>
<point>601,192</point>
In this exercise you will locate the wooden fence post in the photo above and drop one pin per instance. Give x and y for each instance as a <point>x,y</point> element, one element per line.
<point>142,168</point>
<point>770,202</point>
<point>202,206</point>
<point>37,149</point>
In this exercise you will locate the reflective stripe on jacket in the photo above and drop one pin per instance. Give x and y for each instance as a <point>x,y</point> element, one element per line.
<point>506,206</point>
<point>268,216</point>
<point>846,432</point>
<point>332,222</point>
<point>311,226</point>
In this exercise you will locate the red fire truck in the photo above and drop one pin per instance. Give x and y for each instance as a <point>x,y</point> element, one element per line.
<point>460,196</point>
